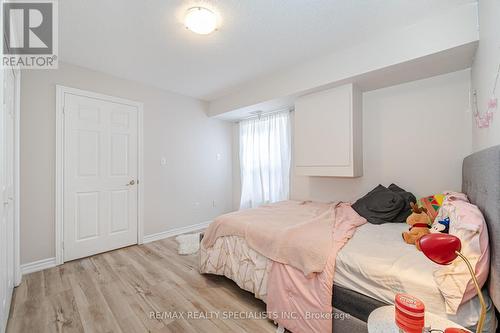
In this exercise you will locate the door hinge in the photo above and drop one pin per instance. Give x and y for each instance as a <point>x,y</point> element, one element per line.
<point>62,245</point>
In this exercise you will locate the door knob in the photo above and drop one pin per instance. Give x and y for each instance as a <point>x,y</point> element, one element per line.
<point>132,182</point>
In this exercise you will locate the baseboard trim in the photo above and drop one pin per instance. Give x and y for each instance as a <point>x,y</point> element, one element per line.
<point>175,232</point>
<point>38,265</point>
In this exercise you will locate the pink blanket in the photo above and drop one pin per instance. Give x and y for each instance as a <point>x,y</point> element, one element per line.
<point>303,304</point>
<point>298,234</point>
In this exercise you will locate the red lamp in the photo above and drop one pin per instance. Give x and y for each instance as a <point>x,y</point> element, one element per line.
<point>443,249</point>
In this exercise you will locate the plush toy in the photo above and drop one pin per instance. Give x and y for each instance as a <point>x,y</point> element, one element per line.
<point>419,223</point>
<point>441,226</point>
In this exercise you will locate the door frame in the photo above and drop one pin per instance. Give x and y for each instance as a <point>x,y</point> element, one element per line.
<point>16,170</point>
<point>61,91</point>
<point>17,178</point>
<point>15,251</point>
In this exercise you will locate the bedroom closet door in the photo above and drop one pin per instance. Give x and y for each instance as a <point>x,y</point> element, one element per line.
<point>7,219</point>
<point>100,175</point>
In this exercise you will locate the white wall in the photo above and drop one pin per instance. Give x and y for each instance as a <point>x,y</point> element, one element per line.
<point>174,126</point>
<point>484,70</point>
<point>414,134</point>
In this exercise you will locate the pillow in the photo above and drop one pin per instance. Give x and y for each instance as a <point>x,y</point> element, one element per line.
<point>432,203</point>
<point>467,223</point>
<point>408,197</point>
<point>380,205</point>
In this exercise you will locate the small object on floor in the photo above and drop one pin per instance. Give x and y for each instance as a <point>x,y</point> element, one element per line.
<point>188,244</point>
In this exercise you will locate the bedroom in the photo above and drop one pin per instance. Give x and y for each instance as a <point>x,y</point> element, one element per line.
<point>132,131</point>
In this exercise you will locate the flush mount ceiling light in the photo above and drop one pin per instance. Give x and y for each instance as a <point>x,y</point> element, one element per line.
<point>200,20</point>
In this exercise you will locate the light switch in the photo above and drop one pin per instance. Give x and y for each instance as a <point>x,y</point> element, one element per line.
<point>163,161</point>
<point>218,156</point>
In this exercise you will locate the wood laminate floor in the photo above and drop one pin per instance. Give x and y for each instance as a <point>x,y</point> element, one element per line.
<point>119,290</point>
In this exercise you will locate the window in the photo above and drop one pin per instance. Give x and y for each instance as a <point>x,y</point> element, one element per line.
<point>265,159</point>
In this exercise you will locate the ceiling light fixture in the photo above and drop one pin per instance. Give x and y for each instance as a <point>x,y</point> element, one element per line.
<point>200,20</point>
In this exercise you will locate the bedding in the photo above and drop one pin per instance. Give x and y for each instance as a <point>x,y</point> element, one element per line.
<point>377,263</point>
<point>295,232</point>
<point>467,223</point>
<point>230,256</point>
<point>309,298</point>
<point>290,232</point>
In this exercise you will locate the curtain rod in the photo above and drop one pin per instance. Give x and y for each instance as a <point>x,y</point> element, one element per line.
<point>258,114</point>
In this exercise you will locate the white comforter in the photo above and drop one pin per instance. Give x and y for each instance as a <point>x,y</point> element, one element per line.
<point>378,263</point>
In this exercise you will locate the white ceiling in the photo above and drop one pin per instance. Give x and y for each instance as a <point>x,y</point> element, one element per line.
<point>145,40</point>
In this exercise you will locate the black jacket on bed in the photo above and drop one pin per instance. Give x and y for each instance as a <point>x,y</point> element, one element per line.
<point>385,205</point>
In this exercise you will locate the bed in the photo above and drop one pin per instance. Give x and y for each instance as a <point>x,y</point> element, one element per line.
<point>361,285</point>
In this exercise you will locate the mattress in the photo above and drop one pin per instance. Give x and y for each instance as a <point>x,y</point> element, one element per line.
<point>377,262</point>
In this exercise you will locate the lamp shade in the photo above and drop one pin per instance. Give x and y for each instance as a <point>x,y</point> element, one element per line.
<point>440,248</point>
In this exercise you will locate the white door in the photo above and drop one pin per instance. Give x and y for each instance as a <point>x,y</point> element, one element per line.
<point>7,193</point>
<point>100,175</point>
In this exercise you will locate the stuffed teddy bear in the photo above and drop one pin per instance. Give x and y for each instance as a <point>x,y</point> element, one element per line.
<point>419,223</point>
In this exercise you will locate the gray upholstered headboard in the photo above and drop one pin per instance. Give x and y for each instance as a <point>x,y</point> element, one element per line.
<point>481,183</point>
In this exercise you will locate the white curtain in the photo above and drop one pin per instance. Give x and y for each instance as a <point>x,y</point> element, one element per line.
<point>265,159</point>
